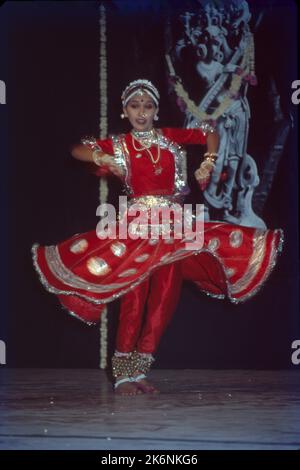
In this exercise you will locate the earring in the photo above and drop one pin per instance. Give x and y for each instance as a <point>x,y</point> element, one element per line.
<point>122,116</point>
<point>156,118</point>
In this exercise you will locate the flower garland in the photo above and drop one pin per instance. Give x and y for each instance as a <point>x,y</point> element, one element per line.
<point>243,73</point>
<point>103,189</point>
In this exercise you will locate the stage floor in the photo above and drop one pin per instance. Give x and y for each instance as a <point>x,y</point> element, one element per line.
<point>197,409</point>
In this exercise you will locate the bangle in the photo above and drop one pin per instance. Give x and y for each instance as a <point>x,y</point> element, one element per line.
<point>210,156</point>
<point>97,157</point>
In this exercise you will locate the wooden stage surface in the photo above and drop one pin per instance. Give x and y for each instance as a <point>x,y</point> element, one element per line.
<point>196,409</point>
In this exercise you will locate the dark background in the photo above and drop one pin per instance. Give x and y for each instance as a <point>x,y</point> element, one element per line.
<point>50,63</point>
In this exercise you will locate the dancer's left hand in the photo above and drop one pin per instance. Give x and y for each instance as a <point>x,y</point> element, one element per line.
<point>203,174</point>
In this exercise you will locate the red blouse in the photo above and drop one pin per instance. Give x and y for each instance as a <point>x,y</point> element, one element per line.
<point>145,176</point>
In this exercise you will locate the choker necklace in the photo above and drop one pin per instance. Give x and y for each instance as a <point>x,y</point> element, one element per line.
<point>145,138</point>
<point>141,135</point>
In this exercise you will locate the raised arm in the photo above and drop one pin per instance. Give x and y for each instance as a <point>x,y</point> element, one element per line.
<point>205,136</point>
<point>203,173</point>
<point>100,152</point>
<point>91,149</point>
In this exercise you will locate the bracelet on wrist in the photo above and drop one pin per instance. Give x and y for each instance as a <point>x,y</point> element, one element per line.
<point>97,156</point>
<point>210,157</point>
<point>211,154</point>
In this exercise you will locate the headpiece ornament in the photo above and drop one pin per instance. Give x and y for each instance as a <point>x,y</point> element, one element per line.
<point>140,87</point>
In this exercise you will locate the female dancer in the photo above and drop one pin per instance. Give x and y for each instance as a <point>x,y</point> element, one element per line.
<point>146,266</point>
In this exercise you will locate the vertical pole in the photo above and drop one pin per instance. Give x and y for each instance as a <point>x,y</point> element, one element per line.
<point>103,188</point>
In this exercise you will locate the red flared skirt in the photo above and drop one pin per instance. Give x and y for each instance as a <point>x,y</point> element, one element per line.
<point>86,272</point>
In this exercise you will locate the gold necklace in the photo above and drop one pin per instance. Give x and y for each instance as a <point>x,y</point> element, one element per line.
<point>154,161</point>
<point>146,147</point>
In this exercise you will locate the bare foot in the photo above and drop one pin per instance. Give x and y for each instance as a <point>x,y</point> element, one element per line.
<point>145,386</point>
<point>128,388</point>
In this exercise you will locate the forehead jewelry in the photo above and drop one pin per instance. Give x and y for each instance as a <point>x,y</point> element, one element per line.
<point>139,87</point>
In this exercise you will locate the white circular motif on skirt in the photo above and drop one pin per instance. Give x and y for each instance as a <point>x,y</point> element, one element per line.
<point>98,266</point>
<point>79,246</point>
<point>118,248</point>
<point>230,271</point>
<point>236,238</point>
<point>128,272</point>
<point>141,258</point>
<point>213,244</point>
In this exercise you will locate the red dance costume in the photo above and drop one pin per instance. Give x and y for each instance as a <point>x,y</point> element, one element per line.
<point>87,272</point>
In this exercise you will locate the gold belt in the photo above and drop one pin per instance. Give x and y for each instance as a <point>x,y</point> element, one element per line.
<point>158,201</point>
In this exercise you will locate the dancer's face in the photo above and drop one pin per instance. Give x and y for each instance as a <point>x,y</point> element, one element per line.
<point>140,111</point>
